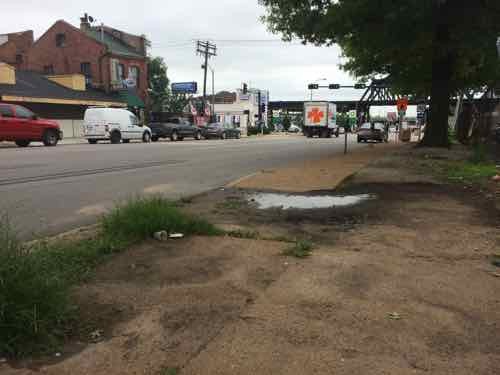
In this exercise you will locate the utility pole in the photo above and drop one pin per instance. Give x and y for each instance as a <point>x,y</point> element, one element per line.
<point>206,50</point>
<point>213,94</point>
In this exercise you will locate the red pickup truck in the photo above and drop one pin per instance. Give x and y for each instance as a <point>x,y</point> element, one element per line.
<point>20,125</point>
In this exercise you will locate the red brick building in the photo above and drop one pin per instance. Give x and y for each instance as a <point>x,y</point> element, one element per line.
<point>14,46</point>
<point>110,59</point>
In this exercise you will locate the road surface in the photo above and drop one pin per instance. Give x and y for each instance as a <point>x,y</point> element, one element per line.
<point>49,190</point>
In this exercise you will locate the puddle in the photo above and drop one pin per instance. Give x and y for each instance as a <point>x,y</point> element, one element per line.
<point>304,202</point>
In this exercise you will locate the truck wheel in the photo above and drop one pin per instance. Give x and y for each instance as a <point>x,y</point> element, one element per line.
<point>50,138</point>
<point>116,137</point>
<point>146,137</point>
<point>174,137</point>
<point>23,143</point>
<point>92,141</point>
<point>154,139</point>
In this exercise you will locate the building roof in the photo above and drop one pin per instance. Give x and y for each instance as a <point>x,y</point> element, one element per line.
<point>115,45</point>
<point>34,85</point>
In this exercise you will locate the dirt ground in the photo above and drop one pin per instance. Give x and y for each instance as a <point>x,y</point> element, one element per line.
<point>400,284</point>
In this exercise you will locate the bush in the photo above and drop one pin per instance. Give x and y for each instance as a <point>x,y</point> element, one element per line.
<point>35,308</point>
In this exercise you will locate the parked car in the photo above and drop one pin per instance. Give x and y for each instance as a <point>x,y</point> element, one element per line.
<point>175,128</point>
<point>20,125</point>
<point>222,131</point>
<point>294,129</point>
<point>372,132</point>
<point>113,124</point>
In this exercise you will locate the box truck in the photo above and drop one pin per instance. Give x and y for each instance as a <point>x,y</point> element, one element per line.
<point>320,119</point>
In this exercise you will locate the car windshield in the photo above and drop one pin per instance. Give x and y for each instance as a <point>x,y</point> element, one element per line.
<point>366,126</point>
<point>379,126</point>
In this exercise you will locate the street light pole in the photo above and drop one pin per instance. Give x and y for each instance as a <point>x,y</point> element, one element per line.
<point>318,80</point>
<point>213,94</point>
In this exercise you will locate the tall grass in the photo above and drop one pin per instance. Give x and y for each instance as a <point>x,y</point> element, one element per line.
<point>35,304</point>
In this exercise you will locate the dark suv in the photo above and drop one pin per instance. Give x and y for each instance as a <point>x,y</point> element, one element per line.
<point>175,128</point>
<point>20,125</point>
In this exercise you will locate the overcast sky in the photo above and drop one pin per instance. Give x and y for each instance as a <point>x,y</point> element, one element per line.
<point>247,52</point>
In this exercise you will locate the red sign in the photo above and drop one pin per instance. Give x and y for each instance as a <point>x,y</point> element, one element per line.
<point>315,115</point>
<point>402,104</point>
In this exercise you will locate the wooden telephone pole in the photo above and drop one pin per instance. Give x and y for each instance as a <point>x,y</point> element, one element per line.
<point>206,50</point>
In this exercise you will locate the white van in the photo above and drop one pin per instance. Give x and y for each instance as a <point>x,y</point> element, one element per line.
<point>113,124</point>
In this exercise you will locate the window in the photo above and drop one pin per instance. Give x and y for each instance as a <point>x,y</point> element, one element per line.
<point>134,74</point>
<point>48,69</point>
<point>85,69</point>
<point>6,111</point>
<point>22,112</point>
<point>61,40</point>
<point>134,120</point>
<point>19,59</point>
<point>120,71</point>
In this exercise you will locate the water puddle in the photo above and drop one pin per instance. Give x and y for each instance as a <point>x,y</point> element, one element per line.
<point>304,202</point>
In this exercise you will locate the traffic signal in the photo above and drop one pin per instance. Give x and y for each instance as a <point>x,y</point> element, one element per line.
<point>245,88</point>
<point>359,86</point>
<point>262,108</point>
<point>334,86</point>
<point>313,86</point>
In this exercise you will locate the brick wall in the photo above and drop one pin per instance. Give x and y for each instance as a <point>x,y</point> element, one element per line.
<point>127,63</point>
<point>78,48</point>
<point>17,44</point>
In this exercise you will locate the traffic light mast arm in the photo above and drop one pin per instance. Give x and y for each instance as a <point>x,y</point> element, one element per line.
<point>335,86</point>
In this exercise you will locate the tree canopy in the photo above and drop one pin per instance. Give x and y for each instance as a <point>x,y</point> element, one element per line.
<point>160,93</point>
<point>420,44</point>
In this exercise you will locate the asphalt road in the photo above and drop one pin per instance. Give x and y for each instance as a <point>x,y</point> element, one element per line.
<point>45,191</point>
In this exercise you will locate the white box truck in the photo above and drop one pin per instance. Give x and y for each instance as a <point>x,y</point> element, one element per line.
<point>320,119</point>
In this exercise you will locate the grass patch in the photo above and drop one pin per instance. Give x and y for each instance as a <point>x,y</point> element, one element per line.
<point>472,173</point>
<point>169,371</point>
<point>301,249</point>
<point>35,307</point>
<point>138,219</point>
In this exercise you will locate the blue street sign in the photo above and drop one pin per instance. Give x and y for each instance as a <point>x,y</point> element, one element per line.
<point>185,88</point>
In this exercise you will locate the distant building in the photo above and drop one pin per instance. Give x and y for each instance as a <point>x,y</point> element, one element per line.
<point>111,60</point>
<point>14,46</point>
<point>239,108</point>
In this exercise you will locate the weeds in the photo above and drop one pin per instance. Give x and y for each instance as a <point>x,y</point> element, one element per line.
<point>244,234</point>
<point>35,306</point>
<point>471,172</point>
<point>301,249</point>
<point>479,154</point>
<point>169,371</point>
<point>139,218</point>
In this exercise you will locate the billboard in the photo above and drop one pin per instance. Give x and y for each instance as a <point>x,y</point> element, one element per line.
<point>185,88</point>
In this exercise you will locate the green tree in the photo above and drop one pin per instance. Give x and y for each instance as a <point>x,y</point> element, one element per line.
<point>162,98</point>
<point>159,83</point>
<point>433,48</point>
